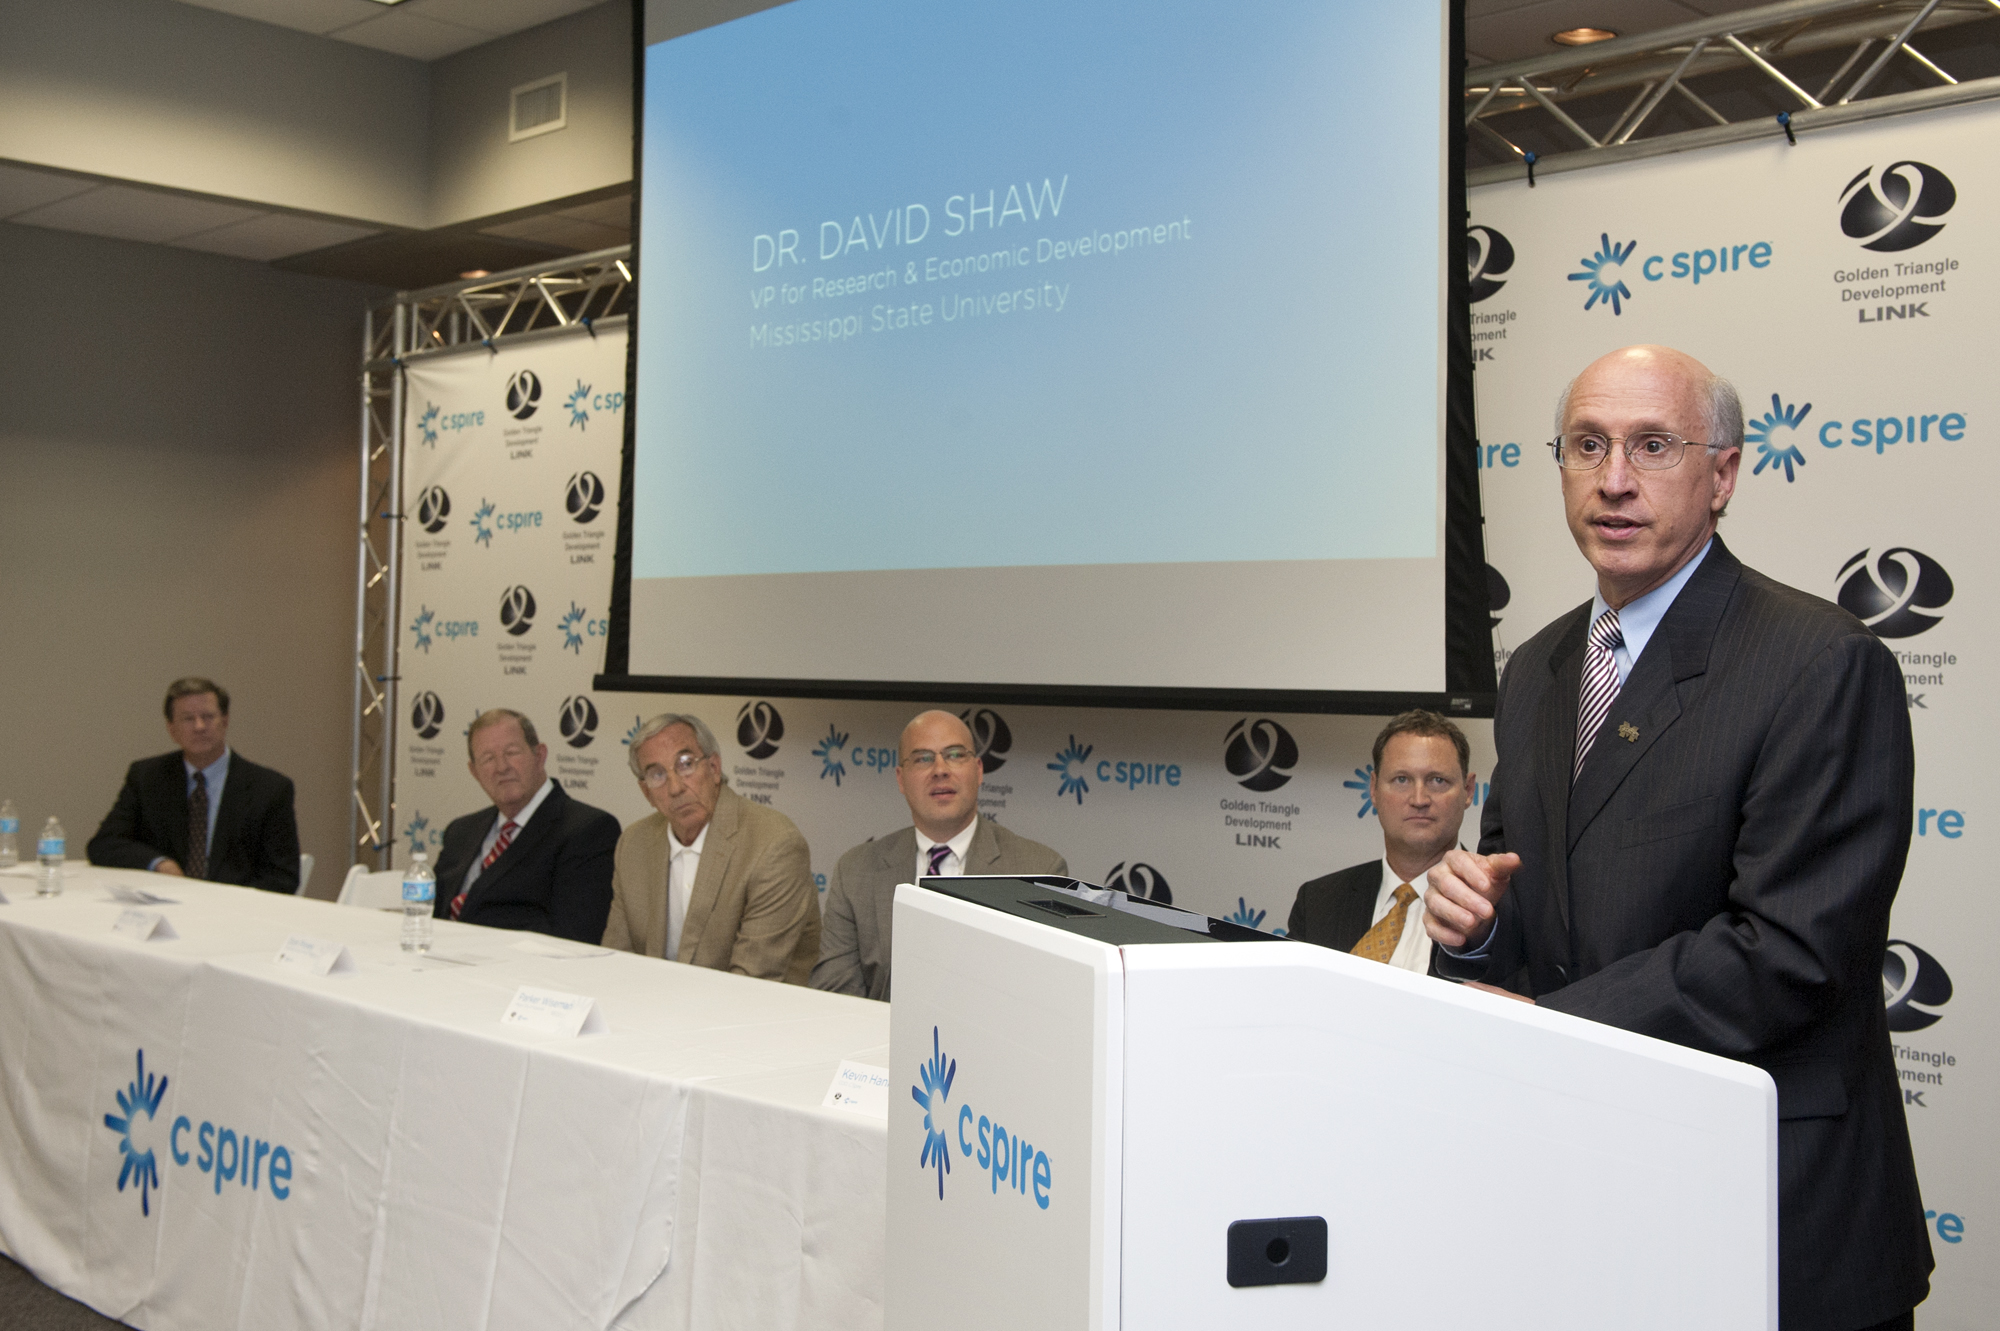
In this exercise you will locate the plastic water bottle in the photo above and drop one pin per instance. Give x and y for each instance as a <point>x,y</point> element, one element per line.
<point>50,849</point>
<point>419,891</point>
<point>10,831</point>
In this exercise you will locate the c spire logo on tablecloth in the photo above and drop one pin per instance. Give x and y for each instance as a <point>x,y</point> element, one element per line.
<point>141,1168</point>
<point>1141,880</point>
<point>577,720</point>
<point>759,728</point>
<point>1914,986</point>
<point>583,496</point>
<point>1772,451</point>
<point>427,715</point>
<point>524,394</point>
<point>991,739</point>
<point>1897,594</point>
<point>517,609</point>
<point>1605,271</point>
<point>933,1092</point>
<point>1489,257</point>
<point>1894,210</point>
<point>1260,754</point>
<point>433,507</point>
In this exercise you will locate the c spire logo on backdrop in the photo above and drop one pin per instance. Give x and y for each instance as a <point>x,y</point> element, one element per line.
<point>1773,448</point>
<point>830,752</point>
<point>1895,209</point>
<point>1605,271</point>
<point>1489,257</point>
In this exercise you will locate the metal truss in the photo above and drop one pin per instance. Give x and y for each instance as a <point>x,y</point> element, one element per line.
<point>557,299</point>
<point>1657,65</point>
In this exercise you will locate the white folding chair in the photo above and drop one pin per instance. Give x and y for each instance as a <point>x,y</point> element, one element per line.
<point>372,891</point>
<point>305,872</point>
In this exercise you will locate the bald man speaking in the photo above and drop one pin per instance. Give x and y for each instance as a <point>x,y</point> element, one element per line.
<point>939,772</point>
<point>1697,825</point>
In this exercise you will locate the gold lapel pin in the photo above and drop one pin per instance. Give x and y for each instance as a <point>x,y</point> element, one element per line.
<point>1628,732</point>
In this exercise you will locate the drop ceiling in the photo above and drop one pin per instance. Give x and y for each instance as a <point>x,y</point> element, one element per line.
<point>420,29</point>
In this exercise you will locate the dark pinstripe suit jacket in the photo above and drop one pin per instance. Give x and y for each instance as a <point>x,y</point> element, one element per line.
<point>1723,880</point>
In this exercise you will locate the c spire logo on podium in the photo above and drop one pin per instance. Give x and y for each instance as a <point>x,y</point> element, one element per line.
<point>932,1092</point>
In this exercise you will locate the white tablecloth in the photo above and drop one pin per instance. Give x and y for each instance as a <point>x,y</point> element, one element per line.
<point>445,1171</point>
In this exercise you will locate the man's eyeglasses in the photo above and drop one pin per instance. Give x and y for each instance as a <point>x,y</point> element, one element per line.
<point>1654,450</point>
<point>684,767</point>
<point>955,756</point>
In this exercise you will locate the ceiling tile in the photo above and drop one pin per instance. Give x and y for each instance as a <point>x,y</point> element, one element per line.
<point>402,33</point>
<point>274,236</point>
<point>22,188</point>
<point>317,16</point>
<point>571,233</point>
<point>605,212</point>
<point>134,214</point>
<point>498,17</point>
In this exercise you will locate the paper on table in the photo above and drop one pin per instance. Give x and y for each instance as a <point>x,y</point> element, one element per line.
<point>539,945</point>
<point>314,956</point>
<point>138,896</point>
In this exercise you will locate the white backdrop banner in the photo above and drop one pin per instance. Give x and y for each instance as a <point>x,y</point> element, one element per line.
<point>1846,286</point>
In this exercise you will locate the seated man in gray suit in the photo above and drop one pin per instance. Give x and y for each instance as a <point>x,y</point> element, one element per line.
<point>1421,788</point>
<point>712,879</point>
<point>939,773</point>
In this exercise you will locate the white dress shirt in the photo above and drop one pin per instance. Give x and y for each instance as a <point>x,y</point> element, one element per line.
<point>1413,949</point>
<point>954,862</point>
<point>684,864</point>
<point>520,821</point>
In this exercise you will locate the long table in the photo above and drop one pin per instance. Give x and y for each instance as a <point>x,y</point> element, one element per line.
<point>193,1137</point>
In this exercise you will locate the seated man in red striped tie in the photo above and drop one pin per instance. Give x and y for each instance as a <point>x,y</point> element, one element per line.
<point>1421,785</point>
<point>537,860</point>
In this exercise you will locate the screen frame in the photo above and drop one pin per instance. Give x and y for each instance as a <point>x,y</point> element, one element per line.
<point>1470,677</point>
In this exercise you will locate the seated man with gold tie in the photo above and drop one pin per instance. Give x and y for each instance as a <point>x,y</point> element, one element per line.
<point>1421,788</point>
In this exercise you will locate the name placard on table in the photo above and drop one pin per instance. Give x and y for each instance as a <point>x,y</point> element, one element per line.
<point>860,1087</point>
<point>554,1013</point>
<point>313,956</point>
<point>143,925</point>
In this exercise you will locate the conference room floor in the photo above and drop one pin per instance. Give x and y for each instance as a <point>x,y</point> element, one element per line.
<point>26,1304</point>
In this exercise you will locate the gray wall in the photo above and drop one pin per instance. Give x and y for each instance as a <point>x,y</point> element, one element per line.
<point>179,447</point>
<point>476,172</point>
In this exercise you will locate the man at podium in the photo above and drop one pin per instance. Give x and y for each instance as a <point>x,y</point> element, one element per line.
<point>1698,822</point>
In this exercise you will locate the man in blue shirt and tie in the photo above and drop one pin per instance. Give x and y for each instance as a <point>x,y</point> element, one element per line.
<point>203,811</point>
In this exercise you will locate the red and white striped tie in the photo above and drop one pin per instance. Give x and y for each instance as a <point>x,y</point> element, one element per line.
<point>507,831</point>
<point>1600,685</point>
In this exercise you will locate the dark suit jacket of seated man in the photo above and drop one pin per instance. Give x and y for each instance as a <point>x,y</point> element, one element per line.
<point>552,875</point>
<point>1420,784</point>
<point>737,894</point>
<point>254,841</point>
<point>939,773</point>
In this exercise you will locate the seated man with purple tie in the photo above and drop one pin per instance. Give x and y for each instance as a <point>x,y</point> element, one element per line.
<point>1421,787</point>
<point>203,811</point>
<point>537,860</point>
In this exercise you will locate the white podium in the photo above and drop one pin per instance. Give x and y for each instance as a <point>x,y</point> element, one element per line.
<point>1123,1115</point>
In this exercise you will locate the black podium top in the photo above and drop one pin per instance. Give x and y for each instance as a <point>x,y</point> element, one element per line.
<point>1102,913</point>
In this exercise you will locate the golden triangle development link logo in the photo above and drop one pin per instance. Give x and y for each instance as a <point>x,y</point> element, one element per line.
<point>1605,271</point>
<point>932,1092</point>
<point>141,1169</point>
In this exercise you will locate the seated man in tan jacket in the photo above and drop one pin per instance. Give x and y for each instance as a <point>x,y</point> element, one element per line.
<point>712,879</point>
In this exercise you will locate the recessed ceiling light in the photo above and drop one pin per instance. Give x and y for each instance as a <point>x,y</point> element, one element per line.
<point>1581,36</point>
<point>472,274</point>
